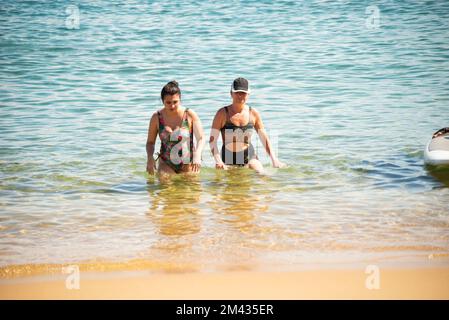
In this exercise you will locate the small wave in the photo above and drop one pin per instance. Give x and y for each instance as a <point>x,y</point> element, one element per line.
<point>26,270</point>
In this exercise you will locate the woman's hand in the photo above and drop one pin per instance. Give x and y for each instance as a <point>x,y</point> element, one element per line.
<point>196,162</point>
<point>150,166</point>
<point>221,166</point>
<point>278,164</point>
<point>195,167</point>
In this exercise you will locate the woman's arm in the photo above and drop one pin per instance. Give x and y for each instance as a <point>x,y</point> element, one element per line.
<point>217,124</point>
<point>199,136</point>
<point>153,128</point>
<point>263,136</point>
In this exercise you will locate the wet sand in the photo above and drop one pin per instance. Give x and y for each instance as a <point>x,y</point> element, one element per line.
<point>425,283</point>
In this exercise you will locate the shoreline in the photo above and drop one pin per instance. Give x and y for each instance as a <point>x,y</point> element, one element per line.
<point>392,283</point>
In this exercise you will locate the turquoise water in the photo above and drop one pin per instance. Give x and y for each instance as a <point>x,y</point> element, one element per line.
<point>350,103</point>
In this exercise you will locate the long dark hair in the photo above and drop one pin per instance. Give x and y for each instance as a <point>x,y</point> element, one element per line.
<point>170,89</point>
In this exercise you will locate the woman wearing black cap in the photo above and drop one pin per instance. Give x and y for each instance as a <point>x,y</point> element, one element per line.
<point>236,123</point>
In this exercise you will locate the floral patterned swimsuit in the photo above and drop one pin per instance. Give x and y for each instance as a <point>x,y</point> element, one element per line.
<point>176,146</point>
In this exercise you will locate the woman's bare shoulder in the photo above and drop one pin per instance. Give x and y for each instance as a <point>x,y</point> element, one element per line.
<point>221,112</point>
<point>155,118</point>
<point>155,115</point>
<point>193,116</point>
<point>255,113</point>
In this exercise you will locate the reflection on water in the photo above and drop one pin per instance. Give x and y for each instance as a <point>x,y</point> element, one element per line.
<point>197,217</point>
<point>233,199</point>
<point>238,209</point>
<point>174,210</point>
<point>174,206</point>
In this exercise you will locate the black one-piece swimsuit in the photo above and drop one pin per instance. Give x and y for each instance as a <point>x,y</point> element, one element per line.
<point>238,158</point>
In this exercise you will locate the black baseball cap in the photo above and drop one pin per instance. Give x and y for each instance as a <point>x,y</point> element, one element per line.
<point>240,85</point>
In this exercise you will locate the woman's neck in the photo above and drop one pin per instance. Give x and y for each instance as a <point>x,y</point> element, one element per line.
<point>237,108</point>
<point>173,113</point>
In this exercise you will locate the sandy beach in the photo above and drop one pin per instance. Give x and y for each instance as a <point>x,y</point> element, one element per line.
<point>430,283</point>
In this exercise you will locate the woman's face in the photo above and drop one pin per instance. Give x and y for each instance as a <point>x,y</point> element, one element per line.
<point>172,102</point>
<point>239,97</point>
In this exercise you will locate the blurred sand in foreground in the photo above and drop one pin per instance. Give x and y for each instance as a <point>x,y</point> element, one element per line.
<point>317,284</point>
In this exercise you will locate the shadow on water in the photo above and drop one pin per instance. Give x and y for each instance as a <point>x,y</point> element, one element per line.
<point>127,187</point>
<point>405,170</point>
<point>439,173</point>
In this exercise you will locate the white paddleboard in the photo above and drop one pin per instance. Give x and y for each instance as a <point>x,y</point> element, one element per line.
<point>437,149</point>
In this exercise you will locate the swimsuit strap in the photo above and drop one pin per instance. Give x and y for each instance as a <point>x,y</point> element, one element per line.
<point>161,120</point>
<point>185,122</point>
<point>185,117</point>
<point>159,117</point>
<point>190,128</point>
<point>227,115</point>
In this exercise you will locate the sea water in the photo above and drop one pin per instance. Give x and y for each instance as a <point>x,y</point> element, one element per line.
<point>349,92</point>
